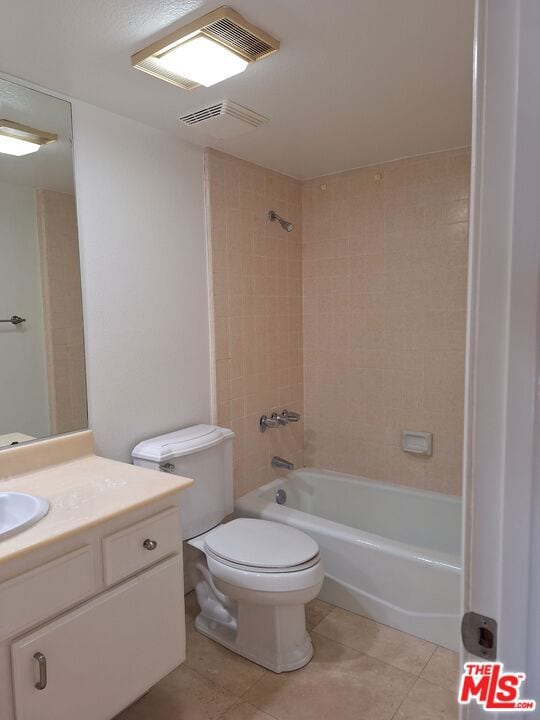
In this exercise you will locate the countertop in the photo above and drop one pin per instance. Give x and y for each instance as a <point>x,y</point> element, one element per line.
<point>84,492</point>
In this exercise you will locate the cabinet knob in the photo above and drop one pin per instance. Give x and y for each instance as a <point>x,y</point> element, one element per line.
<point>150,544</point>
<point>42,665</point>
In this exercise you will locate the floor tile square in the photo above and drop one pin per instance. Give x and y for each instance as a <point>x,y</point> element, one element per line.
<point>397,648</point>
<point>226,669</point>
<point>338,683</point>
<point>245,711</point>
<point>316,611</point>
<point>443,669</point>
<point>428,702</point>
<point>182,695</point>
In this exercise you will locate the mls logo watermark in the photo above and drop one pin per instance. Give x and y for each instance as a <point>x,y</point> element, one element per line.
<point>487,684</point>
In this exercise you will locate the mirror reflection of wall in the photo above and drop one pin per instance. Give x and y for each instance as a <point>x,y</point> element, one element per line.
<point>42,373</point>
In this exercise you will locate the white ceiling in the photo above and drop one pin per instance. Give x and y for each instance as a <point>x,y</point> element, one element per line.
<point>51,167</point>
<point>355,81</point>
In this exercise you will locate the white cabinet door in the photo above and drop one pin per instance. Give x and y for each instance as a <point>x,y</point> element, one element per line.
<point>105,654</point>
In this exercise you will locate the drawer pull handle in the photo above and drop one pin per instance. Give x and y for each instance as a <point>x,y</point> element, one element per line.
<point>150,544</point>
<point>42,664</point>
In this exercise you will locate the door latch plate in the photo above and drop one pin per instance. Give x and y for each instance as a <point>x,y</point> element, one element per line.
<point>479,635</point>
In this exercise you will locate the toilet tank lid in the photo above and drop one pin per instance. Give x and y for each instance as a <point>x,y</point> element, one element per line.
<point>181,442</point>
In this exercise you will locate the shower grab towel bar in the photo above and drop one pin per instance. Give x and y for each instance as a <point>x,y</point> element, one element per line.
<point>14,320</point>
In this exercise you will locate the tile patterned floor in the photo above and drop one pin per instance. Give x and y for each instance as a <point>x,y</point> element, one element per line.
<point>361,670</point>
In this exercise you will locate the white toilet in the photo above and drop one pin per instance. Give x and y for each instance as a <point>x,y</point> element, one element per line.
<point>253,577</point>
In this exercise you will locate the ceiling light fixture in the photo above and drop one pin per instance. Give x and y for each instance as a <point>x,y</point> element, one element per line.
<point>206,51</point>
<point>17,139</point>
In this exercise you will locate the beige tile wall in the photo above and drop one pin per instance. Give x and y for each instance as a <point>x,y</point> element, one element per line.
<point>382,253</point>
<point>62,308</point>
<point>257,301</point>
<point>385,284</point>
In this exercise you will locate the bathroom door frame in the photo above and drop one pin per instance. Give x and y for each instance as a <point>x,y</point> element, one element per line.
<point>502,335</point>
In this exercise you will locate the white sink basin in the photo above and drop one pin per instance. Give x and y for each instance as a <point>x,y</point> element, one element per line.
<point>18,511</point>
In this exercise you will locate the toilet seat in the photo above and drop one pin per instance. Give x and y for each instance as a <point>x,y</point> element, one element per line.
<point>238,582</point>
<point>269,570</point>
<point>261,546</point>
<point>259,556</point>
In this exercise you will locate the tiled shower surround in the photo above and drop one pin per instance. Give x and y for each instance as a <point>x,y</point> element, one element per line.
<point>382,257</point>
<point>62,310</point>
<point>257,305</point>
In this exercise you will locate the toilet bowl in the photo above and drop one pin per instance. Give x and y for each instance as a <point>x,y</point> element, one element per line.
<point>252,586</point>
<point>252,577</point>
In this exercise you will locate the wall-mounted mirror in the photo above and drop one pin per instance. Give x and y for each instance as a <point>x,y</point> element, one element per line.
<point>42,372</point>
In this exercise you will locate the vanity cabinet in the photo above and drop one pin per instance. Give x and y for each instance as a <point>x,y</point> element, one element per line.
<point>91,625</point>
<point>93,661</point>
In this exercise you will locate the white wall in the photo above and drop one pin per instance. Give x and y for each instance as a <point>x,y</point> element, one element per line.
<point>24,403</point>
<point>501,555</point>
<point>533,667</point>
<point>140,204</point>
<point>529,153</point>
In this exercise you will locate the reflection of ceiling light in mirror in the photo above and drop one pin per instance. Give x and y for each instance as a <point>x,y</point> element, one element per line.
<point>206,51</point>
<point>17,139</point>
<point>14,146</point>
<point>203,61</point>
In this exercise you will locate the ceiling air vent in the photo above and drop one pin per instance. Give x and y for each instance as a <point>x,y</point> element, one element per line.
<point>224,119</point>
<point>198,116</point>
<point>222,41</point>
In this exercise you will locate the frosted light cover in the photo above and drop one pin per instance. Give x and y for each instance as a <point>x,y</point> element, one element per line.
<point>203,61</point>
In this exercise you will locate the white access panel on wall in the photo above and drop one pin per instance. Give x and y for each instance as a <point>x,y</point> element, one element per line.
<point>136,629</point>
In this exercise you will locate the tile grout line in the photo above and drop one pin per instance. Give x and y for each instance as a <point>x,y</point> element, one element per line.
<point>236,699</point>
<point>374,657</point>
<point>414,684</point>
<point>405,698</point>
<point>429,659</point>
<point>239,700</point>
<point>213,684</point>
<point>336,607</point>
<point>429,682</point>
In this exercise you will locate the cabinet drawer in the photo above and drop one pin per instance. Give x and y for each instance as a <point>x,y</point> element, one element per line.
<point>99,658</point>
<point>137,546</point>
<point>39,594</point>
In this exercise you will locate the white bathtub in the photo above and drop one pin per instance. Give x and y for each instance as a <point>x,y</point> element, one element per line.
<point>390,553</point>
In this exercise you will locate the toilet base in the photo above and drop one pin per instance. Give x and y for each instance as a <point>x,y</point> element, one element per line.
<point>271,645</point>
<point>261,627</point>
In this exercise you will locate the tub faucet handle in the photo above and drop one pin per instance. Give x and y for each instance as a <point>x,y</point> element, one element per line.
<point>267,422</point>
<point>282,419</point>
<point>291,416</point>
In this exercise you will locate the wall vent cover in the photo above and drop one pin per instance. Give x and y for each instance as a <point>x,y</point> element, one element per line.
<point>224,119</point>
<point>224,26</point>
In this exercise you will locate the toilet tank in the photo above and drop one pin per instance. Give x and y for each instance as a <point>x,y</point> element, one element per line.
<point>201,452</point>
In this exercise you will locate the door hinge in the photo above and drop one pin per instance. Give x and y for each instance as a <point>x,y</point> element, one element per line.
<point>479,635</point>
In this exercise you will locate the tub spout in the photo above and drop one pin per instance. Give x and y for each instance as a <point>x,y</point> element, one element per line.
<point>279,462</point>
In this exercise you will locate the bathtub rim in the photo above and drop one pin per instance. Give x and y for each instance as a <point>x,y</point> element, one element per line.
<point>255,502</point>
<point>361,479</point>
